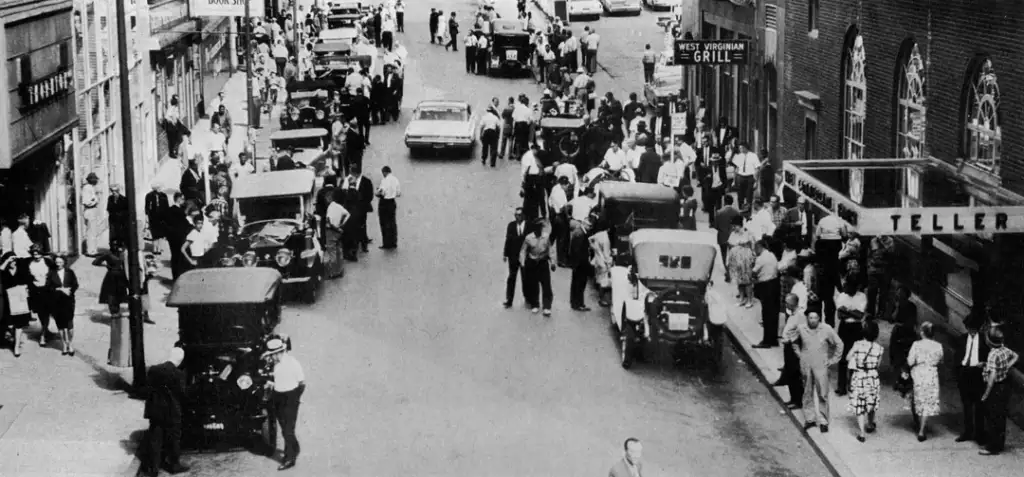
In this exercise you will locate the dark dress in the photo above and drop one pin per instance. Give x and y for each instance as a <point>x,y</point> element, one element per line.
<point>63,306</point>
<point>114,289</point>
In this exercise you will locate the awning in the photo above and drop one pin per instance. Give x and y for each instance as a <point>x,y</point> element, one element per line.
<point>904,196</point>
<point>166,38</point>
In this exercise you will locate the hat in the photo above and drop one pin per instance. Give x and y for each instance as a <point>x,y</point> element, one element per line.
<point>274,346</point>
<point>547,92</point>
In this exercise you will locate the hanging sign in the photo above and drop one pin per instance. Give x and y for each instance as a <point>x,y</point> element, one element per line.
<point>225,8</point>
<point>942,221</point>
<point>712,52</point>
<point>678,124</point>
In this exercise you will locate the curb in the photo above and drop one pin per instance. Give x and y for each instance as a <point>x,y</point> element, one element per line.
<point>133,469</point>
<point>828,455</point>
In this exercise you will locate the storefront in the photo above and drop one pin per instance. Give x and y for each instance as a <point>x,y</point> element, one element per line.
<point>960,242</point>
<point>216,61</point>
<point>36,166</point>
<point>732,92</point>
<point>175,74</point>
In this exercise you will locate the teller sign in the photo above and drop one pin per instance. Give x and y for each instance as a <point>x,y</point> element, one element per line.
<point>712,52</point>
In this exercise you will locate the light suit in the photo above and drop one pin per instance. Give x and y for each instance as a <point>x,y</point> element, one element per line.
<point>819,348</point>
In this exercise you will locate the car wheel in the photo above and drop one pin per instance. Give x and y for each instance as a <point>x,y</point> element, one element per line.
<point>627,343</point>
<point>268,434</point>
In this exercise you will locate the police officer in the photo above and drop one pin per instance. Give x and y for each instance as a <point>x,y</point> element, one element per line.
<point>470,52</point>
<point>489,127</point>
<point>288,385</point>
<point>483,55</point>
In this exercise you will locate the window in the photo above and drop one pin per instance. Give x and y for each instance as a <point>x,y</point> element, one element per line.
<point>25,70</point>
<point>65,55</point>
<point>910,112</point>
<point>812,15</point>
<point>982,134</point>
<point>854,107</point>
<point>810,139</point>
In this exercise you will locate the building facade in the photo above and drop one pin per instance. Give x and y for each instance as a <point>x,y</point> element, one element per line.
<point>98,138</point>
<point>36,155</point>
<point>917,79</point>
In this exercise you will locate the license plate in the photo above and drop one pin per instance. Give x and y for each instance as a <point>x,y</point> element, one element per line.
<point>214,427</point>
<point>512,55</point>
<point>439,146</point>
<point>678,321</point>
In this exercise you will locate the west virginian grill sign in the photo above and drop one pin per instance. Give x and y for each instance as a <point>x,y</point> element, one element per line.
<point>712,52</point>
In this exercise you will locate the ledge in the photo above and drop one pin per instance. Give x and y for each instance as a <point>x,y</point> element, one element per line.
<point>808,100</point>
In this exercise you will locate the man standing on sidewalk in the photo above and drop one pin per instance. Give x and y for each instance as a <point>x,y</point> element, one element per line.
<point>791,365</point>
<point>819,348</point>
<point>971,354</point>
<point>723,224</point>
<point>997,391</point>
<point>434,15</point>
<point>163,409</point>
<point>766,289</point>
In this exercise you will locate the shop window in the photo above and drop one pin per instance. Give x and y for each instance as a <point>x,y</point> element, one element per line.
<point>64,52</point>
<point>982,136</point>
<point>810,139</point>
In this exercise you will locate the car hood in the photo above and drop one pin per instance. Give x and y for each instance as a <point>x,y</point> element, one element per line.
<point>437,128</point>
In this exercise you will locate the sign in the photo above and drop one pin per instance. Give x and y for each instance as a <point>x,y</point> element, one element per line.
<point>224,8</point>
<point>942,221</point>
<point>712,52</point>
<point>678,124</point>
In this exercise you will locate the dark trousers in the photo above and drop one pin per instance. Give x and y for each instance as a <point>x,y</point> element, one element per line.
<point>386,209</point>
<point>164,444</point>
<point>514,270</point>
<point>470,59</point>
<point>537,280</point>
<point>286,409</point>
<point>560,233</point>
<point>489,146</point>
<point>713,201</point>
<point>724,248</point>
<point>400,21</point>
<point>878,293</point>
<point>364,128</point>
<point>542,66</point>
<point>506,138</point>
<point>533,198</point>
<point>744,190</point>
<point>433,33</point>
<point>578,285</point>
<point>972,385</point>
<point>648,73</point>
<point>40,301</point>
<point>281,63</point>
<point>118,232</point>
<point>850,333</point>
<point>995,415</point>
<point>453,43</point>
<point>482,56</point>
<point>791,374</point>
<point>520,139</point>
<point>388,40</point>
<point>590,60</point>
<point>827,254</point>
<point>767,293</point>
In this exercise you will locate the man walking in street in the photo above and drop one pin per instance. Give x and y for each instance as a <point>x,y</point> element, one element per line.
<point>453,34</point>
<point>819,348</point>
<point>997,391</point>
<point>355,144</point>
<point>629,465</point>
<point>766,289</point>
<point>648,61</point>
<point>364,190</point>
<point>972,352</point>
<point>791,376</point>
<point>489,132</point>
<point>163,409</point>
<point>593,40</point>
<point>388,190</point>
<point>361,111</point>
<point>521,116</point>
<point>515,234</point>
<point>289,383</point>
<point>538,259</point>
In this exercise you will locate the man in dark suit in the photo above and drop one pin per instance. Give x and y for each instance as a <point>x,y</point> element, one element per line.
<point>724,135</point>
<point>799,222</point>
<point>971,354</point>
<point>355,144</point>
<point>723,224</point>
<point>393,91</point>
<point>192,183</point>
<point>629,465</point>
<point>178,227</point>
<point>364,188</point>
<point>515,233</point>
<point>163,409</point>
<point>118,216</point>
<point>361,111</point>
<point>433,23</point>
<point>650,164</point>
<point>156,212</point>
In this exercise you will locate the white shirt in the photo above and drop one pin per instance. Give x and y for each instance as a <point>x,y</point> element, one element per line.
<point>259,30</point>
<point>336,214</point>
<point>761,223</point>
<point>521,113</point>
<point>215,103</point>
<point>197,243</point>
<point>581,207</point>
<point>800,290</point>
<point>490,121</point>
<point>280,51</point>
<point>857,302</point>
<point>353,81</point>
<point>39,269</point>
<point>592,41</point>
<point>470,41</point>
<point>567,169</point>
<point>558,200</point>
<point>218,141</point>
<point>830,228</point>
<point>581,81</point>
<point>971,356</point>
<point>482,42</point>
<point>746,164</point>
<point>389,187</point>
<point>90,198</point>
<point>288,374</point>
<point>633,156</point>
<point>20,243</point>
<point>668,174</point>
<point>529,164</point>
<point>238,169</point>
<point>6,240</point>
<point>210,233</point>
<point>687,153</point>
<point>615,159</point>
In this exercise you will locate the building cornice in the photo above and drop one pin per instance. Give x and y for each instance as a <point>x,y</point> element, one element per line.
<point>17,11</point>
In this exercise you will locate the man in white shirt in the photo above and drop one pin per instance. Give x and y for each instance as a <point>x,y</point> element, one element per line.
<point>614,159</point>
<point>21,242</point>
<point>633,154</point>
<point>211,229</point>
<point>335,218</point>
<point>289,383</point>
<point>521,116</point>
<point>388,190</point>
<point>669,173</point>
<point>580,207</point>
<point>761,223</point>
<point>689,157</point>
<point>593,40</point>
<point>766,289</point>
<point>387,31</point>
<point>533,185</point>
<point>579,85</point>
<point>483,55</point>
<point>557,202</point>
<point>354,81</point>
<point>747,166</point>
<point>490,133</point>
<point>570,47</point>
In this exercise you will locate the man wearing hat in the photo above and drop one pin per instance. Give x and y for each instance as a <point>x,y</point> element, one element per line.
<point>163,409</point>
<point>288,383</point>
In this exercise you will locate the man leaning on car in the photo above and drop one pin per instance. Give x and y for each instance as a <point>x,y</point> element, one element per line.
<point>163,409</point>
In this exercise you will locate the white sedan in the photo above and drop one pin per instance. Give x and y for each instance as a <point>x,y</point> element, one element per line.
<point>585,8</point>
<point>441,125</point>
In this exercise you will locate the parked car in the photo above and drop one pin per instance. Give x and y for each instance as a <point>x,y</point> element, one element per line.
<point>661,4</point>
<point>665,87</point>
<point>510,48</point>
<point>306,105</point>
<point>591,9</point>
<point>663,296</point>
<point>622,6</point>
<point>226,317</point>
<point>441,125</point>
<point>631,206</point>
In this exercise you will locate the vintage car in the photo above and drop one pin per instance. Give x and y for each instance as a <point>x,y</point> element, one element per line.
<point>664,295</point>
<point>631,206</point>
<point>306,105</point>
<point>661,4</point>
<point>563,137</point>
<point>622,6</point>
<point>441,125</point>
<point>665,87</point>
<point>343,15</point>
<point>274,212</point>
<point>302,146</point>
<point>333,60</point>
<point>591,9</point>
<point>510,48</point>
<point>226,317</point>
<point>348,34</point>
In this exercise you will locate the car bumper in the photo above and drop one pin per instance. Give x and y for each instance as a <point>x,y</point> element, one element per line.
<point>291,280</point>
<point>437,144</point>
<point>586,12</point>
<point>623,8</point>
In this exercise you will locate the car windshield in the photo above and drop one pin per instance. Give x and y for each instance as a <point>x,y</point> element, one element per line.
<point>269,208</point>
<point>267,234</point>
<point>443,114</point>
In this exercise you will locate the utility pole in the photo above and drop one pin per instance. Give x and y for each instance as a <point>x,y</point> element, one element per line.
<point>134,282</point>
<point>296,21</point>
<point>248,71</point>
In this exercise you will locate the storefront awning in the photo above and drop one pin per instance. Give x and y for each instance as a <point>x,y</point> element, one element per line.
<point>165,38</point>
<point>903,197</point>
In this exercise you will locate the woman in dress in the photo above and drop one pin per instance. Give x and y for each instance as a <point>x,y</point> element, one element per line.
<point>64,283</point>
<point>601,245</point>
<point>689,209</point>
<point>16,314</point>
<point>39,295</point>
<point>741,261</point>
<point>924,358</point>
<point>114,289</point>
<point>864,357</point>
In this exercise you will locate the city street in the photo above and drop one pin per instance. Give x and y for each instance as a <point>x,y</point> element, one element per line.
<point>414,368</point>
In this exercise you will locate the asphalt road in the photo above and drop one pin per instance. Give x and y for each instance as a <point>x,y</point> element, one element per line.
<point>414,368</point>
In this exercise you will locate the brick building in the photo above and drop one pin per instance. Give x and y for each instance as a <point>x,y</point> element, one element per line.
<point>916,79</point>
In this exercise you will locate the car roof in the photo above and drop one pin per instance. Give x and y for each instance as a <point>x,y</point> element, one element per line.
<point>442,103</point>
<point>338,34</point>
<point>311,85</point>
<point>556,122</point>
<point>636,192</point>
<point>332,46</point>
<point>507,26</point>
<point>224,286</point>
<point>274,184</point>
<point>304,133</point>
<point>650,245</point>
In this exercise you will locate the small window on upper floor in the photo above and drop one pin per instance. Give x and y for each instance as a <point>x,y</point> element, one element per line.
<point>812,16</point>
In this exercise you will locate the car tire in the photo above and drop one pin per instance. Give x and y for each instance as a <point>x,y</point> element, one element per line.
<point>268,434</point>
<point>717,358</point>
<point>627,344</point>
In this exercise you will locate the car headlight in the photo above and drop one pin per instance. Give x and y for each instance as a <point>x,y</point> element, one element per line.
<point>244,382</point>
<point>284,257</point>
<point>320,114</point>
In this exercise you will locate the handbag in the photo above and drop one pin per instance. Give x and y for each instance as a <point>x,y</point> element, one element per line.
<point>17,300</point>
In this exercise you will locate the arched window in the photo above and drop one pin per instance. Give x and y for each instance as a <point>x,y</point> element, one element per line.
<point>855,90</point>
<point>911,110</point>
<point>982,134</point>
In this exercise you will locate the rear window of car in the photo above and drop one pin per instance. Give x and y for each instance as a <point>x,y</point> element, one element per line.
<point>443,114</point>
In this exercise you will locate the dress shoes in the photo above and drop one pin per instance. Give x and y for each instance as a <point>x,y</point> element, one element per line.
<point>809,425</point>
<point>764,346</point>
<point>507,304</point>
<point>288,464</point>
<point>581,308</point>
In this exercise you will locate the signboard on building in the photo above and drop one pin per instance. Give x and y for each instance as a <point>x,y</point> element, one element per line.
<point>712,52</point>
<point>224,8</point>
<point>678,124</point>
<point>942,221</point>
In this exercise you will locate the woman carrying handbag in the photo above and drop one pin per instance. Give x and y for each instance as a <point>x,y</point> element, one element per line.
<point>16,313</point>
